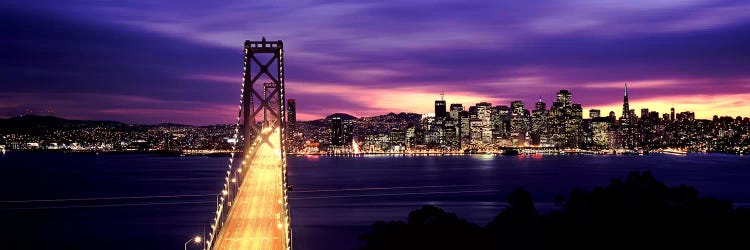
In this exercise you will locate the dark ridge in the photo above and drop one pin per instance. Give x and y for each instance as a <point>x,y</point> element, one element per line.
<point>342,116</point>
<point>26,121</point>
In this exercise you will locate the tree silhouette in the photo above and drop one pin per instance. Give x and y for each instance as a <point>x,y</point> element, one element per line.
<point>427,228</point>
<point>637,212</point>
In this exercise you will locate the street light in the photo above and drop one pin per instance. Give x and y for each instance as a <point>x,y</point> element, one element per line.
<point>196,239</point>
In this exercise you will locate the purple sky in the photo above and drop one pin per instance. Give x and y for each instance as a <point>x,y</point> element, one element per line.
<point>181,61</point>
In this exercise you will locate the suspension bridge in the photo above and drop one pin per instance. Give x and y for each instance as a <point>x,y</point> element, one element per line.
<point>252,210</point>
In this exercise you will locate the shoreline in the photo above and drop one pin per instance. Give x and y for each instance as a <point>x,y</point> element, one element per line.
<point>226,154</point>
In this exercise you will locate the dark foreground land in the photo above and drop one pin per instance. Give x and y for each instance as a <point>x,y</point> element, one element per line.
<point>639,212</point>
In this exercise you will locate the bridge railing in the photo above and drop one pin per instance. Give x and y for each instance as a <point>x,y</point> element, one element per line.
<point>227,196</point>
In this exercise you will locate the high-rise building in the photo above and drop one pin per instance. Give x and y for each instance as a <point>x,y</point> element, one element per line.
<point>472,111</point>
<point>626,123</point>
<point>455,111</point>
<point>484,113</point>
<point>291,124</point>
<point>440,110</point>
<point>465,128</point>
<point>516,107</point>
<point>564,97</point>
<point>644,113</point>
<point>574,125</point>
<point>501,122</point>
<point>600,132</point>
<point>540,105</point>
<point>565,121</point>
<point>337,131</point>
<point>518,124</point>
<point>672,114</point>
<point>539,123</point>
<point>594,113</point>
<point>348,127</point>
<point>475,128</point>
<point>342,131</point>
<point>291,106</point>
<point>452,140</point>
<point>625,105</point>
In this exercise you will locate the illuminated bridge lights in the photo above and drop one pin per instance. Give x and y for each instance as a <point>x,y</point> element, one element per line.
<point>257,200</point>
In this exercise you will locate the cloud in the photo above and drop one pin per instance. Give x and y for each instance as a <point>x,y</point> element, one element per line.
<point>216,78</point>
<point>368,58</point>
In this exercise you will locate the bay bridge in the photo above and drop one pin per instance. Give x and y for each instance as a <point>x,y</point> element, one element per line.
<point>252,210</point>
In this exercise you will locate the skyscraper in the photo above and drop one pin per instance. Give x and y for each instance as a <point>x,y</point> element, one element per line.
<point>456,109</point>
<point>518,124</point>
<point>672,115</point>
<point>565,121</point>
<point>440,109</point>
<point>453,138</point>
<point>348,132</point>
<point>516,107</point>
<point>625,105</point>
<point>291,106</point>
<point>539,123</point>
<point>564,97</point>
<point>484,113</point>
<point>342,131</point>
<point>626,130</point>
<point>540,105</point>
<point>337,131</point>
<point>291,124</point>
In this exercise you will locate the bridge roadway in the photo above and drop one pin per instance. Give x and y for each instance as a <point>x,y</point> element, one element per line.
<point>257,220</point>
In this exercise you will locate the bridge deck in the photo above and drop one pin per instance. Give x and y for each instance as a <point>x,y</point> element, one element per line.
<point>258,218</point>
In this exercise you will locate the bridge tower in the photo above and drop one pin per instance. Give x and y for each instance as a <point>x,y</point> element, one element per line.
<point>263,103</point>
<point>247,211</point>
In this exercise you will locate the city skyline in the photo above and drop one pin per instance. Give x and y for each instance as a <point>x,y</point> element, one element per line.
<point>604,110</point>
<point>166,62</point>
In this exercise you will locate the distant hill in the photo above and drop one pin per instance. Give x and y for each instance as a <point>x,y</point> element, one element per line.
<point>31,122</point>
<point>52,121</point>
<point>169,124</point>
<point>402,115</point>
<point>342,115</point>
